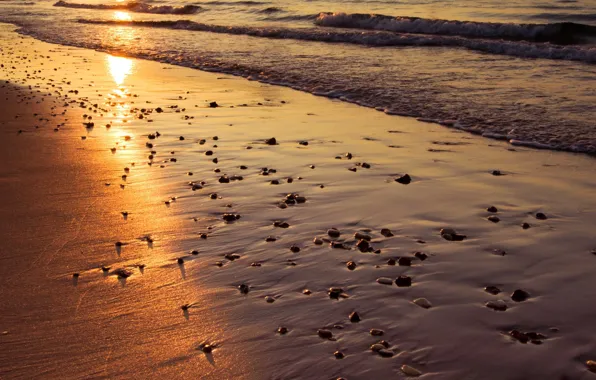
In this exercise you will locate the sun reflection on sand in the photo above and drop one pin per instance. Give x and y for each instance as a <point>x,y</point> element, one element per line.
<point>119,68</point>
<point>122,16</point>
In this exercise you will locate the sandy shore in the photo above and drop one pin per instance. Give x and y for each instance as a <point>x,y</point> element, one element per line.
<point>62,218</point>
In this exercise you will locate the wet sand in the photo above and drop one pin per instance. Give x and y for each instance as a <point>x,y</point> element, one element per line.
<point>242,287</point>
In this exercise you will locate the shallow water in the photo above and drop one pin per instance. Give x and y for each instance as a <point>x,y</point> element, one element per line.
<point>523,72</point>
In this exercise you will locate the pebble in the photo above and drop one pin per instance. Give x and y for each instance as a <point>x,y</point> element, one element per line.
<point>423,302</point>
<point>351,265</point>
<point>271,141</point>
<point>391,261</point>
<point>269,299</point>
<point>494,219</point>
<point>232,256</point>
<point>385,281</point>
<point>410,371</point>
<point>337,245</point>
<point>317,241</point>
<point>541,216</point>
<point>386,232</point>
<point>363,245</point>
<point>224,179</point>
<point>498,305</point>
<point>492,209</point>
<point>280,224</point>
<point>362,236</point>
<point>496,173</point>
<point>282,330</point>
<point>492,290</point>
<point>270,239</point>
<point>591,364</point>
<point>519,336</point>
<point>421,256</point>
<point>520,295</point>
<point>75,275</point>
<point>377,347</point>
<point>306,292</point>
<point>325,334</point>
<point>404,261</point>
<point>213,105</point>
<point>451,235</point>
<point>385,353</point>
<point>338,355</point>
<point>295,249</point>
<point>403,281</point>
<point>180,261</point>
<point>525,226</point>
<point>376,332</point>
<point>404,179</point>
<point>335,293</point>
<point>230,217</point>
<point>333,232</point>
<point>123,273</point>
<point>354,317</point>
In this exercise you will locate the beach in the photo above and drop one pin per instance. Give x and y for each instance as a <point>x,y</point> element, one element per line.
<point>165,221</point>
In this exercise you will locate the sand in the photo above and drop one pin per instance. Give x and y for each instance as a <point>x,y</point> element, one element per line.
<point>61,218</point>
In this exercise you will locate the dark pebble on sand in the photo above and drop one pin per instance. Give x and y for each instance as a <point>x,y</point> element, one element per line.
<point>404,261</point>
<point>295,249</point>
<point>243,288</point>
<point>180,261</point>
<point>75,275</point>
<point>519,336</point>
<point>325,334</point>
<point>376,332</point>
<point>351,265</point>
<point>337,245</point>
<point>520,295</point>
<point>270,239</point>
<point>224,179</point>
<point>352,169</point>
<point>194,252</point>
<point>421,256</point>
<point>494,219</point>
<point>280,224</point>
<point>213,195</point>
<point>492,290</point>
<point>333,232</point>
<point>335,293</point>
<point>354,317</point>
<point>274,182</point>
<point>404,179</point>
<point>541,216</point>
<point>525,226</point>
<point>496,173</point>
<point>282,330</point>
<point>338,355</point>
<point>213,105</point>
<point>403,281</point>
<point>271,141</point>
<point>230,217</point>
<point>305,143</point>
<point>209,153</point>
<point>363,245</point>
<point>492,209</point>
<point>391,261</point>
<point>181,138</point>
<point>386,232</point>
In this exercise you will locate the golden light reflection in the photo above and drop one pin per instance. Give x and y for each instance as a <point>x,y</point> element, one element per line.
<point>122,16</point>
<point>119,67</point>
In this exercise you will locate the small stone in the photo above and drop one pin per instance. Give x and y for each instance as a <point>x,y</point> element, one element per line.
<point>498,305</point>
<point>351,265</point>
<point>337,245</point>
<point>423,302</point>
<point>271,141</point>
<point>492,290</point>
<point>270,239</point>
<point>385,353</point>
<point>391,261</point>
<point>295,249</point>
<point>591,364</point>
<point>404,179</point>
<point>496,173</point>
<point>325,334</point>
<point>525,226</point>
<point>492,209</point>
<point>335,293</point>
<point>194,252</point>
<point>404,261</point>
<point>318,241</point>
<point>410,371</point>
<point>180,261</point>
<point>541,216</point>
<point>386,232</point>
<point>338,355</point>
<point>269,299</point>
<point>181,138</point>
<point>243,288</point>
<point>494,219</point>
<point>377,347</point>
<point>385,281</point>
<point>282,330</point>
<point>403,281</point>
<point>75,275</point>
<point>207,348</point>
<point>333,232</point>
<point>232,256</point>
<point>450,235</point>
<point>230,217</point>
<point>281,224</point>
<point>362,236</point>
<point>363,245</point>
<point>354,317</point>
<point>520,295</point>
<point>305,143</point>
<point>224,179</point>
<point>306,292</point>
<point>519,336</point>
<point>376,332</point>
<point>213,105</point>
<point>421,256</point>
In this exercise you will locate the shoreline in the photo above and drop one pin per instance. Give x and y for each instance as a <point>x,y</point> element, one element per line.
<point>455,124</point>
<point>105,326</point>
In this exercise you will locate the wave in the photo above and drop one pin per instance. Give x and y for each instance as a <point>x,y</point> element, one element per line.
<point>136,7</point>
<point>586,17</point>
<point>522,49</point>
<point>564,33</point>
<point>248,2</point>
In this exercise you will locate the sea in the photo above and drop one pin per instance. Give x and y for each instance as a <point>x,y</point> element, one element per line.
<point>517,70</point>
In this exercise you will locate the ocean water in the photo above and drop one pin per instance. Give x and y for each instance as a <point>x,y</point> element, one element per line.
<point>522,70</point>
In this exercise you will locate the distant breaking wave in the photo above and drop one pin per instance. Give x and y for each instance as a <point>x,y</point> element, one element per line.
<point>523,49</point>
<point>564,33</point>
<point>136,7</point>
